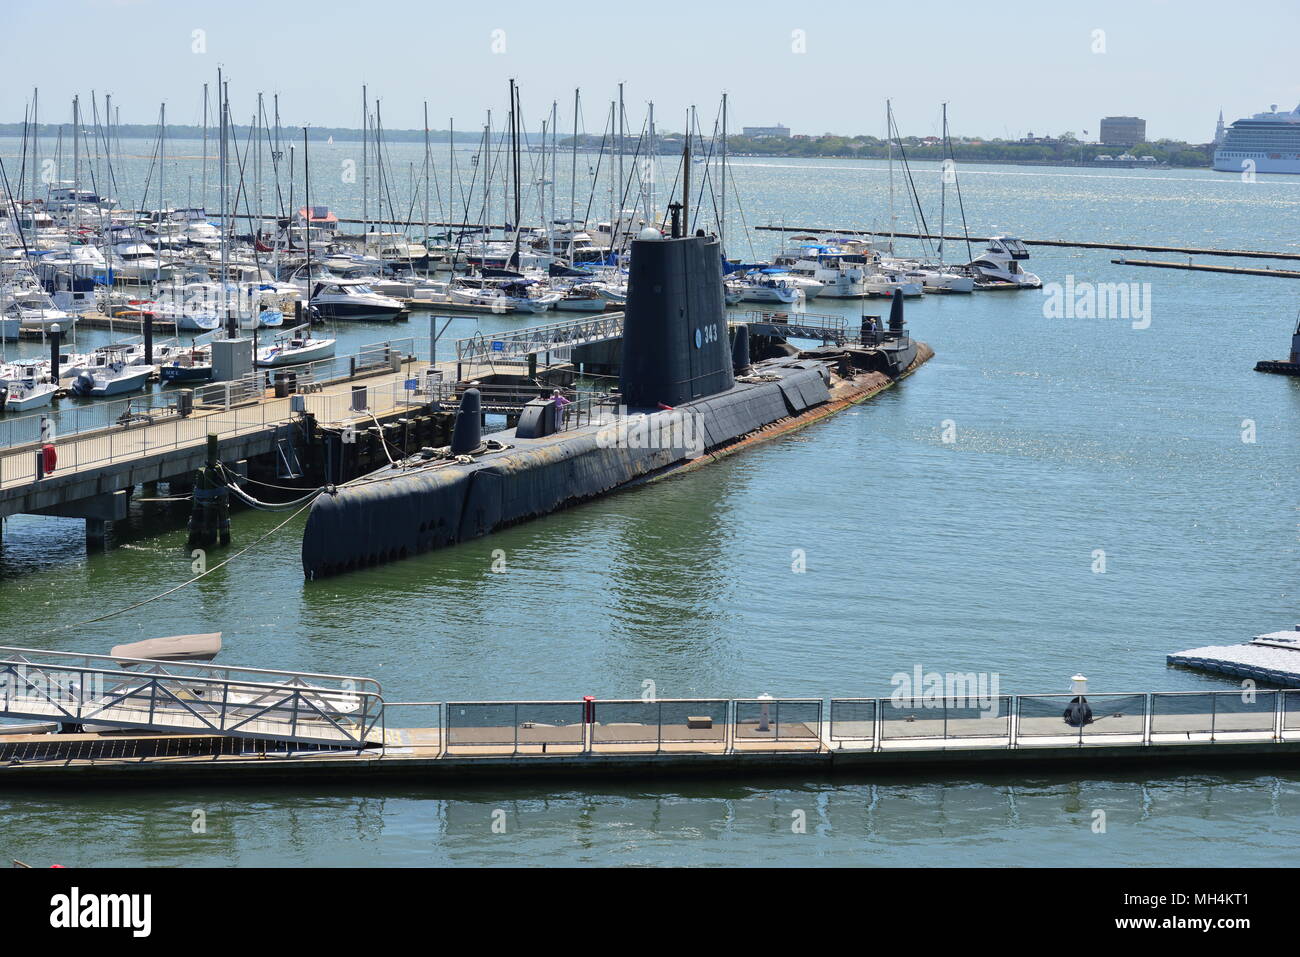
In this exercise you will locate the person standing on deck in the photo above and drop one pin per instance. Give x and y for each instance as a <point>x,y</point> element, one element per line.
<point>560,402</point>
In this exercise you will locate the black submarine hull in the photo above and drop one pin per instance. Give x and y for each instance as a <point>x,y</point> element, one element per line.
<point>393,514</point>
<point>691,401</point>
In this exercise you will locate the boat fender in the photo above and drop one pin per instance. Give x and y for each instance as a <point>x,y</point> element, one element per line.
<point>49,457</point>
<point>1078,712</point>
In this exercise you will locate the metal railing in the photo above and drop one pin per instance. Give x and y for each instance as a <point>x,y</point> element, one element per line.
<point>372,359</point>
<point>153,696</point>
<point>348,712</point>
<point>134,427</point>
<point>1013,721</point>
<point>812,325</point>
<point>776,719</point>
<point>534,340</point>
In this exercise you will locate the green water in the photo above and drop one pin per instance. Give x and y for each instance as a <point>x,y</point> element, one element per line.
<point>1072,436</point>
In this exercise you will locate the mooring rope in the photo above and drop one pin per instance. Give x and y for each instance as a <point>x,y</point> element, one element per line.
<point>176,588</point>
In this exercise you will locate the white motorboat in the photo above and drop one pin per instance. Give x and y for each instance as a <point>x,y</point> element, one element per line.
<point>883,280</point>
<point>581,298</point>
<point>999,266</point>
<point>133,259</point>
<point>352,299</point>
<point>30,389</point>
<point>506,297</point>
<point>769,289</point>
<point>825,266</point>
<point>27,302</point>
<point>111,373</point>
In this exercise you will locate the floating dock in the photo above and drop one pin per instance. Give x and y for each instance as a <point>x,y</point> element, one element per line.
<point>114,721</point>
<point>1273,658</point>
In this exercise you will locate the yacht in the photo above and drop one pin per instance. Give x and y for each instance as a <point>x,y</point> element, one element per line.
<point>133,259</point>
<point>767,289</point>
<point>1265,143</point>
<point>513,296</point>
<point>825,265</point>
<point>352,299</point>
<point>581,298</point>
<point>25,301</point>
<point>999,266</point>
<point>883,280</point>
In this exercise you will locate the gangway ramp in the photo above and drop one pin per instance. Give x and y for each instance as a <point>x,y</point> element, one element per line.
<point>186,698</point>
<point>519,344</point>
<point>516,345</point>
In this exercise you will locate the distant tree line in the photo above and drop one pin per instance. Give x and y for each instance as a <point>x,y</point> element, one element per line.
<point>1065,148</point>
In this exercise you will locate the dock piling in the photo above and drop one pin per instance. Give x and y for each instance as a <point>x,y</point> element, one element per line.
<point>210,504</point>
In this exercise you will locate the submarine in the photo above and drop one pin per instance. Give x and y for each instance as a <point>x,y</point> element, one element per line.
<point>690,392</point>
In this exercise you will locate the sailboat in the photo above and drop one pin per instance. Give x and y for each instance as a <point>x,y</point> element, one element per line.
<point>294,346</point>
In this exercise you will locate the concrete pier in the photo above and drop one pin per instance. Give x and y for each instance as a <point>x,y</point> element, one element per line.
<point>97,469</point>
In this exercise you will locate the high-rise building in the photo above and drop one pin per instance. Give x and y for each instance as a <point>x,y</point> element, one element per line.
<point>1123,131</point>
<point>761,132</point>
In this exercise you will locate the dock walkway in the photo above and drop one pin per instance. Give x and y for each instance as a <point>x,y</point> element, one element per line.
<point>597,739</point>
<point>95,467</point>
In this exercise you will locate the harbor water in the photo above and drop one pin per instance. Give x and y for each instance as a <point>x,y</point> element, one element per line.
<point>1051,494</point>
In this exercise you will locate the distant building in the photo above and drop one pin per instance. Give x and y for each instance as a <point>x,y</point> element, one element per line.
<point>766,132</point>
<point>1219,130</point>
<point>1123,131</point>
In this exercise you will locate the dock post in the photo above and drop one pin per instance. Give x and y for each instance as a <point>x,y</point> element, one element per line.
<point>96,534</point>
<point>210,505</point>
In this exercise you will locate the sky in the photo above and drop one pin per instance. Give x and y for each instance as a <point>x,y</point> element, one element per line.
<point>1005,69</point>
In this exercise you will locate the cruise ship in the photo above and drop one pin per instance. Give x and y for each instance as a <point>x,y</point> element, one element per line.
<point>1270,141</point>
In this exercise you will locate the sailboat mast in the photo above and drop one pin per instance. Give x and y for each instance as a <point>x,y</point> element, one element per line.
<point>162,172</point>
<point>205,146</point>
<point>943,188</point>
<point>365,169</point>
<point>889,130</point>
<point>573,171</point>
<point>555,145</point>
<point>651,153</point>
<point>722,222</point>
<point>622,132</point>
<point>36,138</point>
<point>76,162</point>
<point>428,172</point>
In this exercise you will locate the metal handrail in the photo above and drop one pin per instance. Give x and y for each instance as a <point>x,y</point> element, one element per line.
<point>178,702</point>
<point>26,657</point>
<point>547,337</point>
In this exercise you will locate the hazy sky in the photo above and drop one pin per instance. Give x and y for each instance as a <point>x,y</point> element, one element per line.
<point>1004,68</point>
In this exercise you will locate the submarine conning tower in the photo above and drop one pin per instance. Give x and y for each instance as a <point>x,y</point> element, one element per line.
<point>675,343</point>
